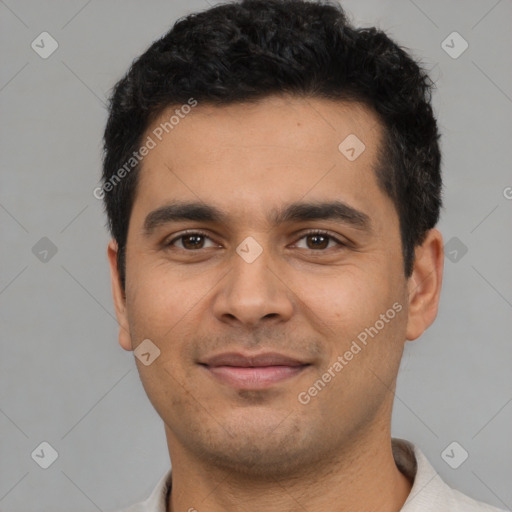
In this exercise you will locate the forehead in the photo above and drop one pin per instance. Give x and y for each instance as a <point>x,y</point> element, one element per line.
<point>279,149</point>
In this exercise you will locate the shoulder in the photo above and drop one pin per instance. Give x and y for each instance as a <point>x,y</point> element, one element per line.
<point>429,492</point>
<point>157,501</point>
<point>466,504</point>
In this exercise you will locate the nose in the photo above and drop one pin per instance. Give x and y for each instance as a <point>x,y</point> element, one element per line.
<point>253,292</point>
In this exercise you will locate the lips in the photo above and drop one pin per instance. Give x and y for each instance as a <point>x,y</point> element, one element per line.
<point>246,361</point>
<point>253,371</point>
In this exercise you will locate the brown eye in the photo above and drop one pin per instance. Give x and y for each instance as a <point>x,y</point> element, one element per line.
<point>320,240</point>
<point>189,241</point>
<point>192,241</point>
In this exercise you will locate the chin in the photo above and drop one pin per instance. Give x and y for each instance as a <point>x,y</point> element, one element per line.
<point>261,450</point>
<point>262,462</point>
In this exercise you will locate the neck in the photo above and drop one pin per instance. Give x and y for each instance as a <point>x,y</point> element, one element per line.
<point>360,476</point>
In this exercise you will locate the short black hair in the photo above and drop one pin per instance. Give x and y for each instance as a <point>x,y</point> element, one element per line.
<point>248,50</point>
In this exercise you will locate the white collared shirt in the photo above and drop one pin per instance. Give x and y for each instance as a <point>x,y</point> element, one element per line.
<point>429,492</point>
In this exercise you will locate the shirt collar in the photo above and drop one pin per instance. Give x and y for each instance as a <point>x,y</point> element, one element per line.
<point>427,493</point>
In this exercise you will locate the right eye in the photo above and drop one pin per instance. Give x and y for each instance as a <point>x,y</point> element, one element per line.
<point>190,240</point>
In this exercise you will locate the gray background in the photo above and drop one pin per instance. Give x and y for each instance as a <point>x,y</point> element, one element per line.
<point>63,377</point>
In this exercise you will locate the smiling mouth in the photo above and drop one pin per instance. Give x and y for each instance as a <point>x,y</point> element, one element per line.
<point>258,377</point>
<point>253,372</point>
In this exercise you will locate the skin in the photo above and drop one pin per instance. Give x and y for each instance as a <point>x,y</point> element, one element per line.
<point>305,297</point>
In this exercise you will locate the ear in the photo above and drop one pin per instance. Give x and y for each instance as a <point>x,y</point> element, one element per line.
<point>424,285</point>
<point>119,297</point>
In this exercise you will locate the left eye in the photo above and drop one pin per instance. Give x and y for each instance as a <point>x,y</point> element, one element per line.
<point>319,240</point>
<point>195,240</point>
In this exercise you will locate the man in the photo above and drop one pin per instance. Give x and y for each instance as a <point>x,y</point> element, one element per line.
<point>272,184</point>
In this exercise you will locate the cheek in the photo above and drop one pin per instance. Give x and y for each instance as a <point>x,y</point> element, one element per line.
<point>157,301</point>
<point>349,303</point>
<point>344,294</point>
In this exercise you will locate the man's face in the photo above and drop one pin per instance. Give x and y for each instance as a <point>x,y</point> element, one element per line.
<point>200,288</point>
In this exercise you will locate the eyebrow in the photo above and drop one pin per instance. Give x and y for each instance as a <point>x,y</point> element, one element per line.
<point>294,212</point>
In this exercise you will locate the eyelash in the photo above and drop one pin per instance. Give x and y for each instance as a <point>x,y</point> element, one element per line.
<point>304,235</point>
